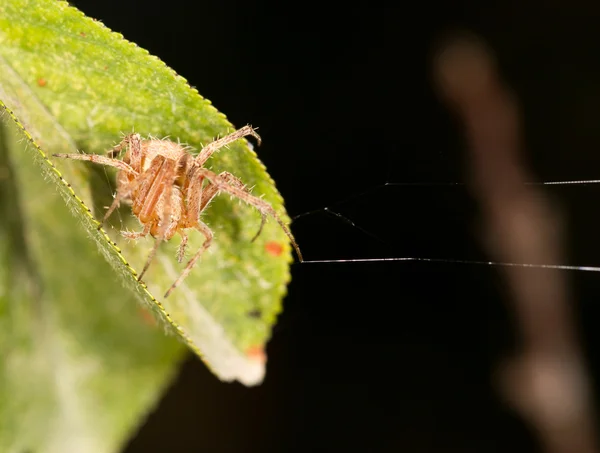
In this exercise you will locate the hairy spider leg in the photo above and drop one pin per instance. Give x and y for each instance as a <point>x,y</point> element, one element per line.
<point>182,246</point>
<point>163,183</point>
<point>208,234</point>
<point>100,160</point>
<point>209,149</point>
<point>210,191</point>
<point>132,143</point>
<point>122,166</point>
<point>195,197</point>
<point>134,150</point>
<point>137,234</point>
<point>262,206</point>
<point>116,150</point>
<point>199,197</point>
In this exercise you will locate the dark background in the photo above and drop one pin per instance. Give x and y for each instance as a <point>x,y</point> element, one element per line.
<point>378,357</point>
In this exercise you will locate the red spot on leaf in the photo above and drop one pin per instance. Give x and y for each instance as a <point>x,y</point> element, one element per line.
<point>257,353</point>
<point>42,82</point>
<point>274,248</point>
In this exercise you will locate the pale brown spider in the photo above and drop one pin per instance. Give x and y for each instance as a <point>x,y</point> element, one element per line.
<point>165,185</point>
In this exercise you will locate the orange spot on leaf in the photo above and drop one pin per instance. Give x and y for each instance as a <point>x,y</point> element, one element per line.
<point>82,34</point>
<point>257,353</point>
<point>274,248</point>
<point>42,82</point>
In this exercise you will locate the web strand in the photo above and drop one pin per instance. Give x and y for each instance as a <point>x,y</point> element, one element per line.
<point>447,184</point>
<point>433,184</point>
<point>453,261</point>
<point>338,215</point>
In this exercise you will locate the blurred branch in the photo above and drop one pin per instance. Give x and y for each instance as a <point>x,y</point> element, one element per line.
<point>547,383</point>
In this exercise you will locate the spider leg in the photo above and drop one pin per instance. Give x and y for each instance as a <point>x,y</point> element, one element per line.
<point>160,189</point>
<point>137,234</point>
<point>151,256</point>
<point>207,232</point>
<point>116,150</point>
<point>263,207</point>
<point>210,191</point>
<point>209,149</point>
<point>182,246</point>
<point>133,144</point>
<point>100,160</point>
<point>199,197</point>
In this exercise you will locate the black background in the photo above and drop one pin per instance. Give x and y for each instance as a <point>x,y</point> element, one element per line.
<point>386,356</point>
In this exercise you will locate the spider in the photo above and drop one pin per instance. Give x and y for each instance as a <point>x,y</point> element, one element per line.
<point>165,185</point>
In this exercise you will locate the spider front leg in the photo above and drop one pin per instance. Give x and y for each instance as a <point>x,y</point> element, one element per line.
<point>209,149</point>
<point>119,164</point>
<point>131,143</point>
<point>100,160</point>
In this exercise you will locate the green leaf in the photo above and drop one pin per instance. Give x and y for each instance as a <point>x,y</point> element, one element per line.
<point>80,362</point>
<point>74,84</point>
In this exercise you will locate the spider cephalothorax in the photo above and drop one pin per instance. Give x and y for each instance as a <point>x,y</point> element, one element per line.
<point>169,188</point>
